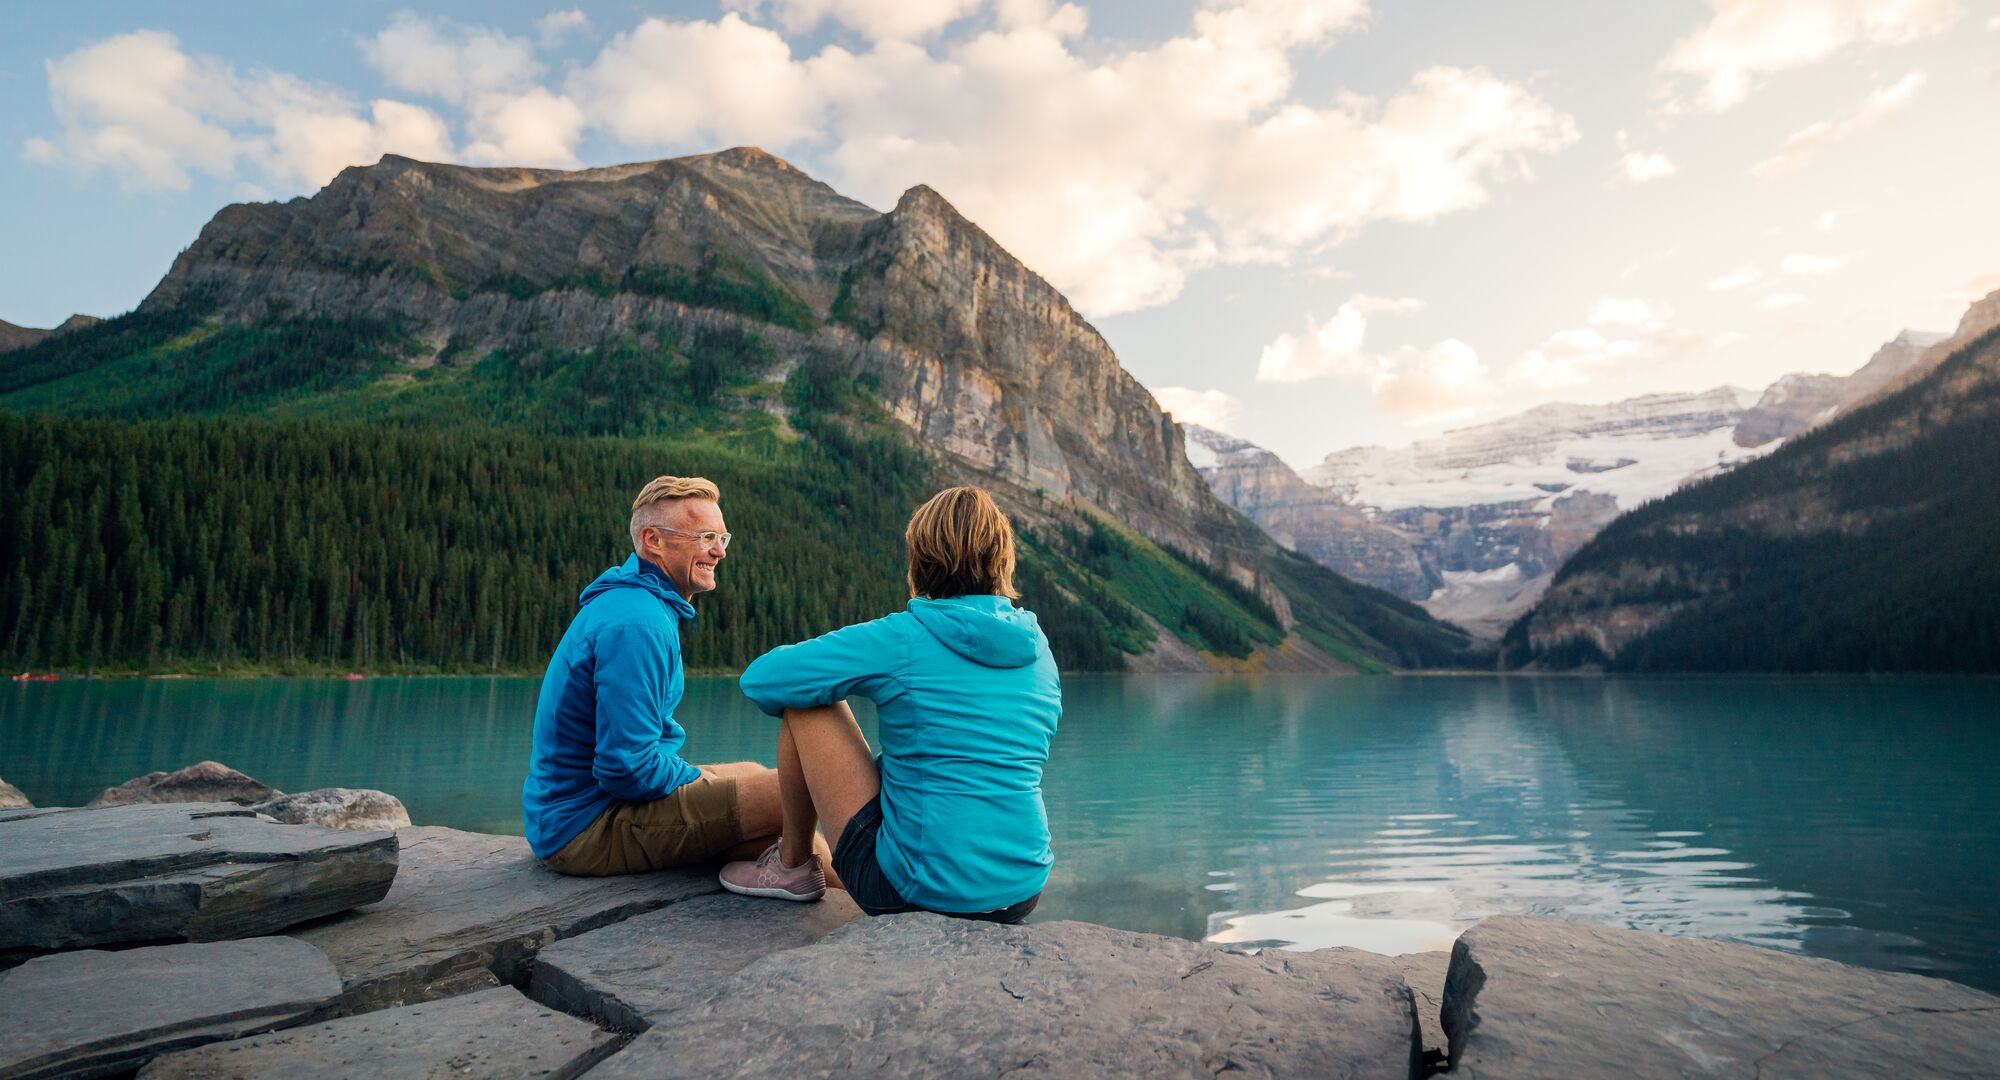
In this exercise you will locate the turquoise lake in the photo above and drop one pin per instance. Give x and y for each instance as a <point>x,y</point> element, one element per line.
<point>1857,819</point>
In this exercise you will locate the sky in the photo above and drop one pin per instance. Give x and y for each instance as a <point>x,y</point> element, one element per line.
<point>1316,224</point>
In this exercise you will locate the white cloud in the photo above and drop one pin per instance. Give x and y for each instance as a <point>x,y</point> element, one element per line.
<point>1826,220</point>
<point>1114,170</point>
<point>1746,274</point>
<point>138,106</point>
<point>536,128</point>
<point>1976,288</point>
<point>1881,103</point>
<point>552,29</point>
<point>1628,311</point>
<point>1443,383</point>
<point>1330,349</point>
<point>701,84</point>
<point>1813,265</point>
<point>453,63</point>
<point>1641,168</point>
<point>876,20</point>
<point>1748,39</point>
<point>1782,300</point>
<point>1385,305</point>
<point>1622,334</point>
<point>1209,408</point>
<point>1429,386</point>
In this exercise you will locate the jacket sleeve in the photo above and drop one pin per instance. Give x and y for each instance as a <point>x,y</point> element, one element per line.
<point>826,669</point>
<point>630,674</point>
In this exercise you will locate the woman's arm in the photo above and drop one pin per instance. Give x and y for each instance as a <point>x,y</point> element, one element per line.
<point>820,671</point>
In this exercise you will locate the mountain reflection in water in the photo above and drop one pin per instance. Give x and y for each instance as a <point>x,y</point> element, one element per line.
<point>1856,819</point>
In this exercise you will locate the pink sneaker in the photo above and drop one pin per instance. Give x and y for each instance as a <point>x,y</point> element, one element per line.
<point>768,877</point>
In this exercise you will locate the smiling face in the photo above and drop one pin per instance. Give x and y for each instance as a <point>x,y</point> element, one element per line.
<point>685,559</point>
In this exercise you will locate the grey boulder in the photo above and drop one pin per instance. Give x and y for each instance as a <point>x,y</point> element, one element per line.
<point>468,908</point>
<point>492,1034</point>
<point>193,871</point>
<point>11,797</point>
<point>1425,972</point>
<point>338,808</point>
<point>922,995</point>
<point>205,781</point>
<point>94,1012</point>
<point>665,961</point>
<point>1537,997</point>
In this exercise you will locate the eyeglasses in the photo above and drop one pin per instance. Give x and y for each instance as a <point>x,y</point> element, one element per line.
<point>707,539</point>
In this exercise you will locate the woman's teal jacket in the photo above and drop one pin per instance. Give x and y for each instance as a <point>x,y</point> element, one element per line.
<point>969,699</point>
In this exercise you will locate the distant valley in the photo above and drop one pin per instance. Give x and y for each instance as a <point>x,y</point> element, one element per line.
<point>1474,524</point>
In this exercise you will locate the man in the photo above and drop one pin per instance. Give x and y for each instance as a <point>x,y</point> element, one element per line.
<point>607,790</point>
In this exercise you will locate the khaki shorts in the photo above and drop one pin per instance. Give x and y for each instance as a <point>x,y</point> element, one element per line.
<point>695,823</point>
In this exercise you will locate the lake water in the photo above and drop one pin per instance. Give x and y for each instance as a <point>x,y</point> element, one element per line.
<point>1857,819</point>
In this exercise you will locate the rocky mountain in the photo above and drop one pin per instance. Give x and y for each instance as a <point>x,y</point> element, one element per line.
<point>1798,403</point>
<point>20,337</point>
<point>978,355</point>
<point>1871,543</point>
<point>731,296</point>
<point>1473,524</point>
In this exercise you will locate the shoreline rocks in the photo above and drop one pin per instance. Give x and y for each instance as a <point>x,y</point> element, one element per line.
<point>204,781</point>
<point>93,1012</point>
<point>11,798</point>
<point>179,871</point>
<point>1530,997</point>
<point>338,808</point>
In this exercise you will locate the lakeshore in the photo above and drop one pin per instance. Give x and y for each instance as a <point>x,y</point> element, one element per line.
<point>462,949</point>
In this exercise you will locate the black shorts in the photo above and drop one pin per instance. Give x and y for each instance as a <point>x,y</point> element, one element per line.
<point>854,861</point>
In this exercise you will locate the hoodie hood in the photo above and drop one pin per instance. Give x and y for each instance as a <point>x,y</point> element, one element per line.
<point>637,573</point>
<point>987,630</point>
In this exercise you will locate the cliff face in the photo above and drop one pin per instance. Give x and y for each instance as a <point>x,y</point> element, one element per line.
<point>981,358</point>
<point>1798,403</point>
<point>1865,544</point>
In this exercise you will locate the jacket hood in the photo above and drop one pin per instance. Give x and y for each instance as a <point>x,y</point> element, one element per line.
<point>637,573</point>
<point>987,630</point>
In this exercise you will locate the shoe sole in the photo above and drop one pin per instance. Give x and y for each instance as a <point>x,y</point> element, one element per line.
<point>774,894</point>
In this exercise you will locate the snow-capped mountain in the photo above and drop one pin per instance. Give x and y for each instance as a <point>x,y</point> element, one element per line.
<point>1474,523</point>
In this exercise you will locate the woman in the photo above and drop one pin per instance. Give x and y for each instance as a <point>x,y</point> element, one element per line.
<point>949,818</point>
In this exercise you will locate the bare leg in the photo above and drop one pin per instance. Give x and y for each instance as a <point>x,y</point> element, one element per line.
<point>760,808</point>
<point>825,771</point>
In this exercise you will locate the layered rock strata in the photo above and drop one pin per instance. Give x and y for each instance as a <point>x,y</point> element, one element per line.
<point>178,871</point>
<point>493,1034</point>
<point>98,1013</point>
<point>1539,998</point>
<point>468,909</point>
<point>922,996</point>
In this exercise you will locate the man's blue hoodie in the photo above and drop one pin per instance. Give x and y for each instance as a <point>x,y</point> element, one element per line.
<point>604,727</point>
<point>968,698</point>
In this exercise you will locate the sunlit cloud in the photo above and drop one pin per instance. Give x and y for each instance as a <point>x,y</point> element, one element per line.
<point>1641,168</point>
<point>1622,336</point>
<point>1115,168</point>
<point>1881,103</point>
<point>1782,300</point>
<point>1746,40</point>
<point>1813,265</point>
<point>1426,386</point>
<point>1746,274</point>
<point>138,106</point>
<point>1826,220</point>
<point>1208,408</point>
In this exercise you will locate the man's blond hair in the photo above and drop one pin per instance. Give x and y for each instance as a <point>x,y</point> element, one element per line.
<point>649,508</point>
<point>961,544</point>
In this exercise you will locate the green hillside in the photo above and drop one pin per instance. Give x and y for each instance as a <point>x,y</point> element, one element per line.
<point>311,494</point>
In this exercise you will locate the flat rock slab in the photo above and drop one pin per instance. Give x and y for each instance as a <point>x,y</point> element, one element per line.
<point>629,973</point>
<point>923,996</point>
<point>493,1034</point>
<point>1537,998</point>
<point>162,872</point>
<point>96,1012</point>
<point>468,904</point>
